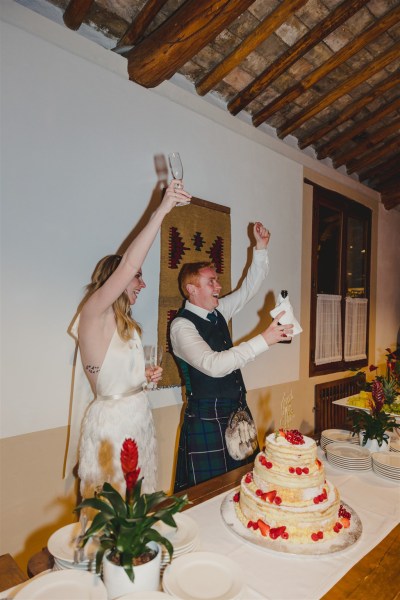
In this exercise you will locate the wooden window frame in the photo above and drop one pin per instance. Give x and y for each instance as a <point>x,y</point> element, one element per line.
<point>348,208</point>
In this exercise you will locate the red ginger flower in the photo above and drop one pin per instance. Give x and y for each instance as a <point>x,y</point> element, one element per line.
<point>129,462</point>
<point>378,396</point>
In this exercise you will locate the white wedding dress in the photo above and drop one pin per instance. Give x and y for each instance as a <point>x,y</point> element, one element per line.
<point>120,410</point>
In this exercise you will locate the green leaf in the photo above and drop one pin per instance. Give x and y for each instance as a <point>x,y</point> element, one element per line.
<point>98,524</point>
<point>97,504</point>
<point>115,499</point>
<point>126,563</point>
<point>99,558</point>
<point>154,536</point>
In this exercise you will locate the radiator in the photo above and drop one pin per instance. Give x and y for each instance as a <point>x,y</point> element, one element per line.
<point>332,416</point>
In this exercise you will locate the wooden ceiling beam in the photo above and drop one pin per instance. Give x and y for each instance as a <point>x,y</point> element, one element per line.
<point>370,158</point>
<point>256,37</point>
<point>137,29</point>
<point>379,171</point>
<point>384,178</point>
<point>75,13</point>
<point>390,201</point>
<point>318,33</point>
<point>349,111</point>
<point>191,27</point>
<point>392,186</point>
<point>377,64</point>
<point>350,133</point>
<point>371,140</point>
<point>336,60</point>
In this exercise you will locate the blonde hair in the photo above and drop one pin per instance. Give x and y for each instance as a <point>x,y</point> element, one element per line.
<point>190,273</point>
<point>126,325</point>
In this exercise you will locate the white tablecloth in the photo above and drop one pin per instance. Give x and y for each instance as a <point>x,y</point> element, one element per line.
<point>275,576</point>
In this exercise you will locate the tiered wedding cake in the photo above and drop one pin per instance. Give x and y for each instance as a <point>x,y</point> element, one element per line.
<point>286,496</point>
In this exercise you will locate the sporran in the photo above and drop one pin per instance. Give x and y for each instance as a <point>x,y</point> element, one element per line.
<point>240,435</point>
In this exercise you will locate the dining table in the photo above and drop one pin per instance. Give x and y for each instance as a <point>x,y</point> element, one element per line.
<point>367,568</point>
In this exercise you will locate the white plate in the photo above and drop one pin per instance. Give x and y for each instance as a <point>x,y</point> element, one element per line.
<point>387,459</point>
<point>61,543</point>
<point>337,435</point>
<point>64,585</point>
<point>182,537</point>
<point>346,537</point>
<point>144,596</point>
<point>203,576</point>
<point>349,451</point>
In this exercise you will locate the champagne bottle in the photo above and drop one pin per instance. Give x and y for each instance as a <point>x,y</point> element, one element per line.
<point>284,294</point>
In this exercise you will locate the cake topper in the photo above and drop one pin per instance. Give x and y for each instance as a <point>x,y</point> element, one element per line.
<point>287,413</point>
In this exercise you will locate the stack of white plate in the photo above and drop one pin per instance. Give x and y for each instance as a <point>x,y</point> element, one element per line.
<point>328,436</point>
<point>63,584</point>
<point>394,445</point>
<point>386,464</point>
<point>204,576</point>
<point>184,538</point>
<point>62,544</point>
<point>349,456</point>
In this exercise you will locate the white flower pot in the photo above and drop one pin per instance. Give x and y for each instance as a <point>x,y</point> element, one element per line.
<point>373,445</point>
<point>147,576</point>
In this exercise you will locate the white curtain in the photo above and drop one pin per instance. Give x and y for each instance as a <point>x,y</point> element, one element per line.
<point>355,329</point>
<point>328,342</point>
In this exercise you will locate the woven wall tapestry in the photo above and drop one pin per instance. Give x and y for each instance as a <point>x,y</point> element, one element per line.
<point>200,231</point>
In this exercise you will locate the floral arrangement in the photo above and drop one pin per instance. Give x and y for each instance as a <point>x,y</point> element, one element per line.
<point>388,384</point>
<point>376,423</point>
<point>124,527</point>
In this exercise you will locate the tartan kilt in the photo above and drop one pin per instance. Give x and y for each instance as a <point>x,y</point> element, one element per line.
<point>202,452</point>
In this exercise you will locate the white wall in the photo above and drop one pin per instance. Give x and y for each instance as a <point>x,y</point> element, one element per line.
<point>388,282</point>
<point>78,141</point>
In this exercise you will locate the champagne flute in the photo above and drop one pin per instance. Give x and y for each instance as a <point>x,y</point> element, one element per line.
<point>156,360</point>
<point>176,167</point>
<point>149,362</point>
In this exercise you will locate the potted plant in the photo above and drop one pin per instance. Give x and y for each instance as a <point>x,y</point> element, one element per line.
<point>373,426</point>
<point>125,528</point>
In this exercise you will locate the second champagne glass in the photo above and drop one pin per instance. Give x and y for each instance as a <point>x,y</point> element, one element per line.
<point>149,362</point>
<point>156,360</point>
<point>176,167</point>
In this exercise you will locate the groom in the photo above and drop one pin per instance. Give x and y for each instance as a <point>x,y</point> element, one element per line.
<point>210,364</point>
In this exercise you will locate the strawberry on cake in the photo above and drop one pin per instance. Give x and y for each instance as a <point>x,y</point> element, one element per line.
<point>286,495</point>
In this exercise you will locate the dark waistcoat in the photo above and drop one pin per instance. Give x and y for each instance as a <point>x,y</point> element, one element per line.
<point>199,385</point>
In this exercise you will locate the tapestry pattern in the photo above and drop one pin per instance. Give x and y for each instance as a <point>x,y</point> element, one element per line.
<point>200,231</point>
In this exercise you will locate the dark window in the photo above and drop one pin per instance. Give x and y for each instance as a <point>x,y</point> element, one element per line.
<point>340,268</point>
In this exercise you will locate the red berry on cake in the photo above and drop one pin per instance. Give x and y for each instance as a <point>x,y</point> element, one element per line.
<point>274,533</point>
<point>314,537</point>
<point>285,535</point>
<point>299,471</point>
<point>293,436</point>
<point>270,496</point>
<point>320,535</point>
<point>263,527</point>
<point>278,500</point>
<point>306,470</point>
<point>292,470</point>
<point>268,464</point>
<point>248,478</point>
<point>236,497</point>
<point>345,522</point>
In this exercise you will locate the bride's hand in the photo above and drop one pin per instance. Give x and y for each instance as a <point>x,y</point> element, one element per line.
<point>174,195</point>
